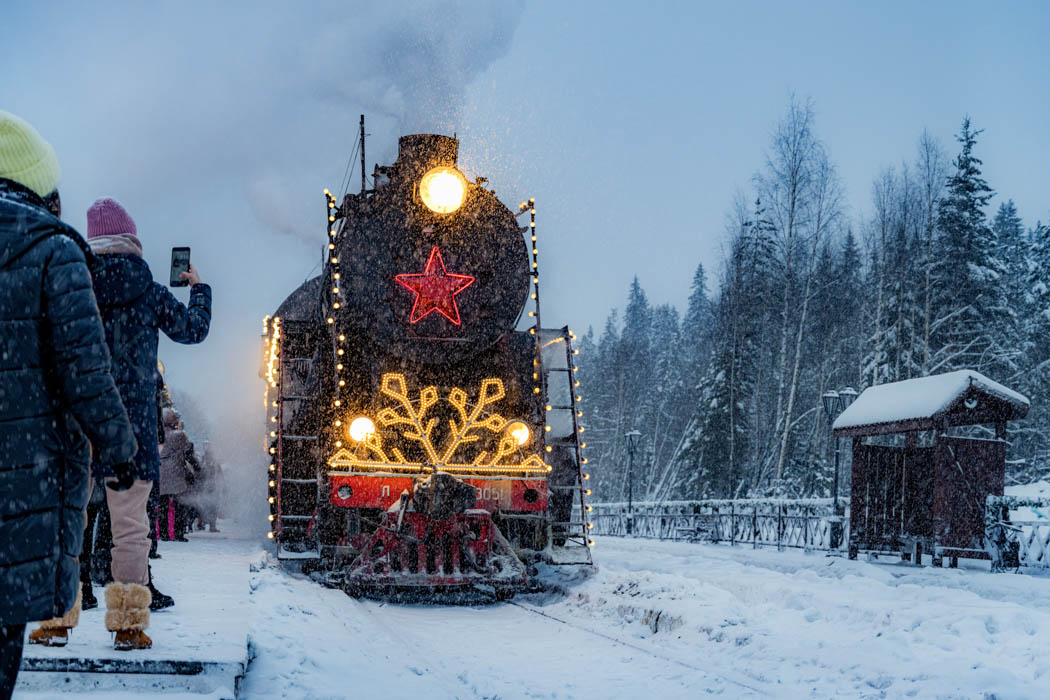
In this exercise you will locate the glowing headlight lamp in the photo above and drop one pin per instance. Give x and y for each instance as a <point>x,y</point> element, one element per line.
<point>361,429</point>
<point>443,190</point>
<point>519,431</point>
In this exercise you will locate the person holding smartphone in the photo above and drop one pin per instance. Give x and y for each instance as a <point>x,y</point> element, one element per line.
<point>134,309</point>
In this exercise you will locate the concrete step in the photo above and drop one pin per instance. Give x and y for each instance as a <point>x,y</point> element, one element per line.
<point>200,646</point>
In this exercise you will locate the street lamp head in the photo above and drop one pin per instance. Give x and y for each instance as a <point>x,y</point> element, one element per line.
<point>831,402</point>
<point>847,396</point>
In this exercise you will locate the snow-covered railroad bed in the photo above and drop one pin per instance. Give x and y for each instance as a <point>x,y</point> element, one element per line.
<point>809,625</point>
<point>653,620</point>
<point>669,620</point>
<point>376,649</point>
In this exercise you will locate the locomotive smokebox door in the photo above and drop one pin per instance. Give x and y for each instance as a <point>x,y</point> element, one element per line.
<point>428,286</point>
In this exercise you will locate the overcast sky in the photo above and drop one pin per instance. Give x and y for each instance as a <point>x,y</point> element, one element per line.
<point>633,124</point>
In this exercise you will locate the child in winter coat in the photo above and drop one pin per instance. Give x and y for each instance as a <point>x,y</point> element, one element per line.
<point>175,455</point>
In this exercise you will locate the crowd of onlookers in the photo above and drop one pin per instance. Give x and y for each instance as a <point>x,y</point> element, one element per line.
<point>80,427</point>
<point>187,496</point>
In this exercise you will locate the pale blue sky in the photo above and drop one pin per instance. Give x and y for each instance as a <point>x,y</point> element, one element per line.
<point>633,124</point>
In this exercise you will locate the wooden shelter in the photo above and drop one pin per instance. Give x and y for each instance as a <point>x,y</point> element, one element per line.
<point>910,498</point>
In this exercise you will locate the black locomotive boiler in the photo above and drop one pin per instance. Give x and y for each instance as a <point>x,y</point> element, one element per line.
<point>421,432</point>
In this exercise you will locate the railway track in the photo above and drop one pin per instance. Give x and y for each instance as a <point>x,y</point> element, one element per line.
<point>734,679</point>
<point>547,655</point>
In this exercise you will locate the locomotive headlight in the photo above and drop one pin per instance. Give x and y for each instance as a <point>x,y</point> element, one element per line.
<point>361,428</point>
<point>443,190</point>
<point>519,431</point>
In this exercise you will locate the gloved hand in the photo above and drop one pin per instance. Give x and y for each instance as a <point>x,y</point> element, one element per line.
<point>125,477</point>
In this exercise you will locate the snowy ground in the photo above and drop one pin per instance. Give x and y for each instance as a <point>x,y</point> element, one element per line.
<point>209,579</point>
<point>673,620</point>
<point>657,620</point>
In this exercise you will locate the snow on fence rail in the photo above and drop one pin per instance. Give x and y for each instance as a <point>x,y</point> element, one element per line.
<point>801,523</point>
<point>1016,543</point>
<point>807,523</point>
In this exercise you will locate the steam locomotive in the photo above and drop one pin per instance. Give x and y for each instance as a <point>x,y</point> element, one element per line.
<point>423,433</point>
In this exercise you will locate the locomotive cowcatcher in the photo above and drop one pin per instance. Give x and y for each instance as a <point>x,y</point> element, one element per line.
<point>422,434</point>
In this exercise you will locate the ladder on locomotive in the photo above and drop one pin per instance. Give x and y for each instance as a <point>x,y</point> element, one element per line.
<point>298,484</point>
<point>563,416</point>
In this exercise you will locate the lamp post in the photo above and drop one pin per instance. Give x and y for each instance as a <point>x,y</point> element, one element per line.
<point>846,397</point>
<point>832,408</point>
<point>632,441</point>
<point>835,402</point>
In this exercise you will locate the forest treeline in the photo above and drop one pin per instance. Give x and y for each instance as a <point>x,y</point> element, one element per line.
<point>727,395</point>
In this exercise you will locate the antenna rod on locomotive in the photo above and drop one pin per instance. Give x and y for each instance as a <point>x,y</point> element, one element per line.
<point>362,154</point>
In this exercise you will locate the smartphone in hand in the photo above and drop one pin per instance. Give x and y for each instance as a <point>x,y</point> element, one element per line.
<point>180,262</point>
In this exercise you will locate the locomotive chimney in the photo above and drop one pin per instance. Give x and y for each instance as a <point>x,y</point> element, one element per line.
<point>418,153</point>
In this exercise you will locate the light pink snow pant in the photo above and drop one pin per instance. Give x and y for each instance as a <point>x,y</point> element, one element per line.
<point>130,524</point>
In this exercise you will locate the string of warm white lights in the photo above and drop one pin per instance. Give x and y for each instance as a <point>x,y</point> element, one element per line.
<point>337,303</point>
<point>574,385</point>
<point>265,361</point>
<point>273,380</point>
<point>537,367</point>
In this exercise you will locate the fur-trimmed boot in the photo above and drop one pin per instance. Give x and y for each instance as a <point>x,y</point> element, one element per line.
<point>127,615</point>
<point>55,632</point>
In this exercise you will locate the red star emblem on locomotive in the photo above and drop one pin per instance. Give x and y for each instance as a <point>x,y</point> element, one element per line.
<point>435,289</point>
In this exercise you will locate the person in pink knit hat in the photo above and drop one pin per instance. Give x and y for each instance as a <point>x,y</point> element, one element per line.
<point>134,309</point>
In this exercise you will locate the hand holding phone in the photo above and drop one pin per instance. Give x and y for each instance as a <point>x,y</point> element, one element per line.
<point>180,263</point>
<point>191,276</point>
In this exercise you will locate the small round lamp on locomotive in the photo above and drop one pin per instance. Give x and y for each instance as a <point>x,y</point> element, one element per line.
<point>423,432</point>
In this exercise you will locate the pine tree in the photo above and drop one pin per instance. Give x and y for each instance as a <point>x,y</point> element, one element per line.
<point>1013,249</point>
<point>931,170</point>
<point>670,403</point>
<point>603,396</point>
<point>696,330</point>
<point>968,273</point>
<point>636,363</point>
<point>1030,443</point>
<point>849,294</point>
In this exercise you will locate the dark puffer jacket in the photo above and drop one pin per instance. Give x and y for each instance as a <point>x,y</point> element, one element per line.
<point>134,308</point>
<point>56,394</point>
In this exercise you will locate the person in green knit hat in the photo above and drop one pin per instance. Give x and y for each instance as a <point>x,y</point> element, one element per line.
<point>59,405</point>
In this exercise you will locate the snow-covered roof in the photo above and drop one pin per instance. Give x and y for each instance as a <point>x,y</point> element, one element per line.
<point>921,402</point>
